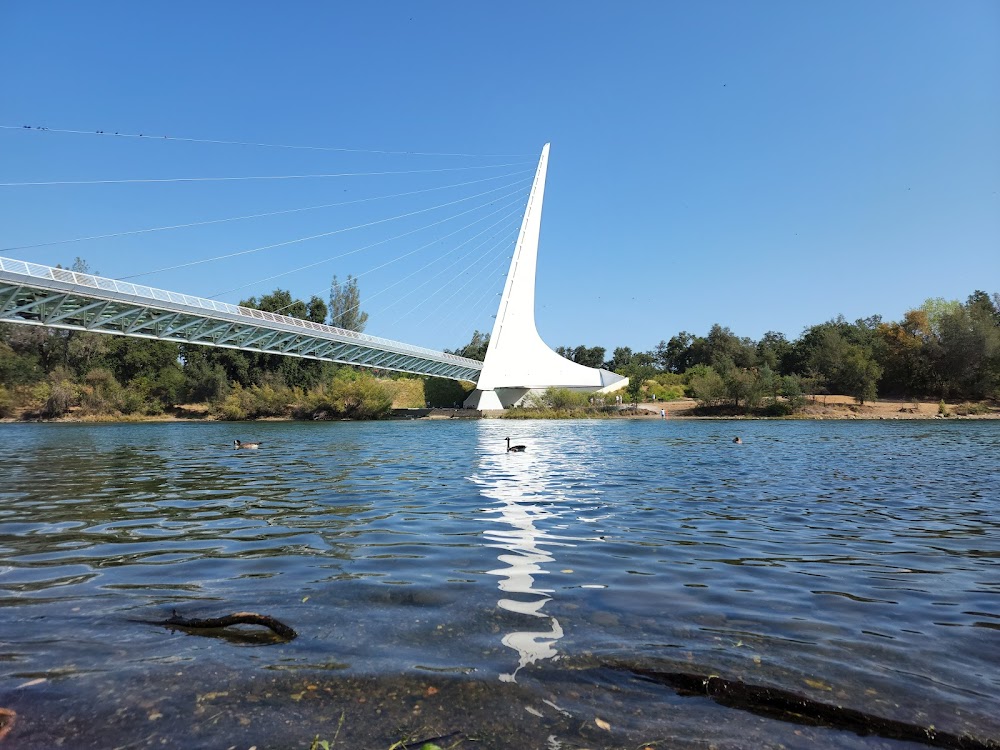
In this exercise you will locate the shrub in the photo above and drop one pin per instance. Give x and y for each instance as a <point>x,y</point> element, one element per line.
<point>62,396</point>
<point>443,392</point>
<point>256,401</point>
<point>231,407</point>
<point>6,403</point>
<point>268,400</point>
<point>668,379</point>
<point>406,393</point>
<point>351,395</point>
<point>665,392</point>
<point>778,409</point>
<point>564,398</point>
<point>360,398</point>
<point>205,382</point>
<point>968,409</point>
<point>100,393</point>
<point>708,387</point>
<point>18,368</point>
<point>132,401</point>
<point>793,391</point>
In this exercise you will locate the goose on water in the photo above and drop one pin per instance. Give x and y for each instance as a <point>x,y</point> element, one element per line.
<point>514,448</point>
<point>247,446</point>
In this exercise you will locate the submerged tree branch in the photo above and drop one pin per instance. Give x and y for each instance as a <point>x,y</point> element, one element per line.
<point>236,618</point>
<point>785,705</point>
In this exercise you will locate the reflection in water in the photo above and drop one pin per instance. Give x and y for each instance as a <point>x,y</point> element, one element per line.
<point>860,557</point>
<point>527,497</point>
<point>524,559</point>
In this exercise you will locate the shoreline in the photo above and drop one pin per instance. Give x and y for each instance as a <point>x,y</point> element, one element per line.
<point>837,407</point>
<point>832,407</point>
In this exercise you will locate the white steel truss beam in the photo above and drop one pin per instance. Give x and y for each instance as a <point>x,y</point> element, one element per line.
<point>34,294</point>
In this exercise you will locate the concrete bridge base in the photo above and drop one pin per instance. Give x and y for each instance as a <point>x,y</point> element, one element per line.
<point>507,398</point>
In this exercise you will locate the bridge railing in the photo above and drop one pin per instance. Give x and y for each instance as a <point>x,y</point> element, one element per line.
<point>39,271</point>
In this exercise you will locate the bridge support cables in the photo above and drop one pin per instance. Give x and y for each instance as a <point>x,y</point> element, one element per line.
<point>35,294</point>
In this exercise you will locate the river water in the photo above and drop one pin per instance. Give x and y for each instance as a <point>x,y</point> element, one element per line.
<point>442,587</point>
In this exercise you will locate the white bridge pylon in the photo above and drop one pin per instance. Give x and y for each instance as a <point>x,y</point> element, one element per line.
<point>518,361</point>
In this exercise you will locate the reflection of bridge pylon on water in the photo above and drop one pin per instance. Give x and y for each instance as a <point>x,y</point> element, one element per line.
<point>524,561</point>
<point>516,492</point>
<point>535,519</point>
<point>517,360</point>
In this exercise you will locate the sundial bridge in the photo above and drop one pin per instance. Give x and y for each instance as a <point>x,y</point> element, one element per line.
<point>517,360</point>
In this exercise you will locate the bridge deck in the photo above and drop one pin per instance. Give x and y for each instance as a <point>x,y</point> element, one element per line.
<point>34,294</point>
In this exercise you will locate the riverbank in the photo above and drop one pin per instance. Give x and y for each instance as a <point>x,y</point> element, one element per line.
<point>818,407</point>
<point>839,407</point>
<point>845,407</point>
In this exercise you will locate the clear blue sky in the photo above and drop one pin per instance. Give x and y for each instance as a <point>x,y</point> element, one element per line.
<point>766,166</point>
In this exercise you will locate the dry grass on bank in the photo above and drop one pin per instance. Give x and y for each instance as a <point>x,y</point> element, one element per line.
<point>845,407</point>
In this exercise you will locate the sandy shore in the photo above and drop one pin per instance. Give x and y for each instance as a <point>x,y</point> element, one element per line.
<point>841,407</point>
<point>822,407</point>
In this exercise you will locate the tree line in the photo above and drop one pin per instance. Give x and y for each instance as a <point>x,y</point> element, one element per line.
<point>940,350</point>
<point>49,372</point>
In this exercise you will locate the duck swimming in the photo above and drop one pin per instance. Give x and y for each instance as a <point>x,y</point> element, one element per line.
<point>247,446</point>
<point>514,448</point>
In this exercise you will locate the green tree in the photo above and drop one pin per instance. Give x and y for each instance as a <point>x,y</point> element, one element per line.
<point>205,379</point>
<point>676,356</point>
<point>827,348</point>
<point>858,374</point>
<point>316,310</point>
<point>592,356</point>
<point>706,385</point>
<point>970,349</point>
<point>443,392</point>
<point>774,350</point>
<point>722,349</point>
<point>475,349</point>
<point>17,366</point>
<point>280,302</point>
<point>936,309</point>
<point>129,357</point>
<point>793,390</point>
<point>637,375</point>
<point>294,372</point>
<point>908,351</point>
<point>621,358</point>
<point>345,305</point>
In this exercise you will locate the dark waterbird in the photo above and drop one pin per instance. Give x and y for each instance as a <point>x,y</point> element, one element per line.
<point>514,448</point>
<point>237,444</point>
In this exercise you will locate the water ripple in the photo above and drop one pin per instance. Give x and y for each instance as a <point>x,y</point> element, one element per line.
<point>864,556</point>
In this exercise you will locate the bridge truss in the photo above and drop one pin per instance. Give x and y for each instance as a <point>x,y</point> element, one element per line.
<point>35,294</point>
